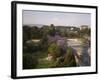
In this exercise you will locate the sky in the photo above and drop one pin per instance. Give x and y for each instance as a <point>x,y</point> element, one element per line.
<point>56,18</point>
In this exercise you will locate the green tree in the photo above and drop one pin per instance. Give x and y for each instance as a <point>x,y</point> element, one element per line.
<point>36,32</point>
<point>27,35</point>
<point>52,30</point>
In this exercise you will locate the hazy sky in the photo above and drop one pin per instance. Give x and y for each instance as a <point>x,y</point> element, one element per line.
<point>56,18</point>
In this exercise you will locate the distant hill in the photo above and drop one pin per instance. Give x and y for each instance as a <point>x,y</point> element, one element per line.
<point>31,25</point>
<point>57,26</point>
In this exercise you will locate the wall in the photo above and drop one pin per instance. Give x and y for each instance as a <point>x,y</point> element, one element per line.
<point>5,40</point>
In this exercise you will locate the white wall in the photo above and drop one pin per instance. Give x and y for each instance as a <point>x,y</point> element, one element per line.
<point>5,40</point>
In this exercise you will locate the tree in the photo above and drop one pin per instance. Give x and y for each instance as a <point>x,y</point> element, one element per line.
<point>26,34</point>
<point>52,25</point>
<point>36,32</point>
<point>52,30</point>
<point>85,32</point>
<point>44,42</point>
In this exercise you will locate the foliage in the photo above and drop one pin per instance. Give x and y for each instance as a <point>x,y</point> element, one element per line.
<point>27,35</point>
<point>36,32</point>
<point>85,32</point>
<point>45,63</point>
<point>44,43</point>
<point>29,61</point>
<point>51,30</point>
<point>31,47</point>
<point>31,33</point>
<point>54,50</point>
<point>68,60</point>
<point>62,56</point>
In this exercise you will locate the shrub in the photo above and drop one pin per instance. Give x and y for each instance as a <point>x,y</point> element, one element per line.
<point>31,47</point>
<point>44,42</point>
<point>59,62</point>
<point>69,59</point>
<point>29,61</point>
<point>54,50</point>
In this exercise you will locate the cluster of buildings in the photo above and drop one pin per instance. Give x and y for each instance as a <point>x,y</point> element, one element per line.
<point>71,28</point>
<point>67,28</point>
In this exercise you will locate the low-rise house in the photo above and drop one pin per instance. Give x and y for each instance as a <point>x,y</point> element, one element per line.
<point>67,28</point>
<point>84,27</point>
